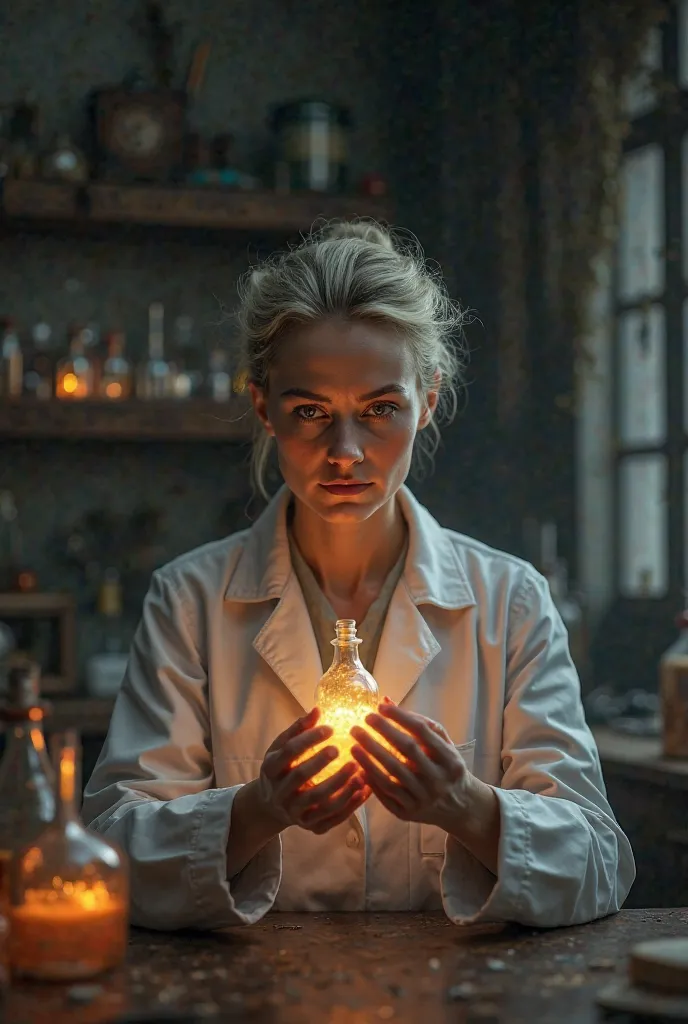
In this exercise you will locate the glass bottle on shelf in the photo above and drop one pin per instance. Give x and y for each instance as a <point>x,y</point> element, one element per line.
<point>155,378</point>
<point>115,377</point>
<point>105,669</point>
<point>39,363</point>
<point>74,375</point>
<point>16,575</point>
<point>64,161</point>
<point>188,359</point>
<point>219,377</point>
<point>673,690</point>
<point>27,802</point>
<point>69,908</point>
<point>11,361</point>
<point>346,693</point>
<point>91,336</point>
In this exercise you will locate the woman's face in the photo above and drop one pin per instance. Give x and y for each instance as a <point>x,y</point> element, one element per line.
<point>343,405</point>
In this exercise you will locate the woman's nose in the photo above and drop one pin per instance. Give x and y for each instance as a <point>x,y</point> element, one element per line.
<point>344,448</point>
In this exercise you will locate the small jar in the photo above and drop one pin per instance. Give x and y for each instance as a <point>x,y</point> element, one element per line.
<point>312,145</point>
<point>673,687</point>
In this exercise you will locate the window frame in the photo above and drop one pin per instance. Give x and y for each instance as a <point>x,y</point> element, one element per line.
<point>665,125</point>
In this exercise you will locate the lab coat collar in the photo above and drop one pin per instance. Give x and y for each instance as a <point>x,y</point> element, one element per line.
<point>433,574</point>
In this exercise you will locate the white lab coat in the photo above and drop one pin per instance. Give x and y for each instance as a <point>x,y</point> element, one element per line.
<point>225,658</point>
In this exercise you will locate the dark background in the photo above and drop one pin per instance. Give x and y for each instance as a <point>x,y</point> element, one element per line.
<point>416,81</point>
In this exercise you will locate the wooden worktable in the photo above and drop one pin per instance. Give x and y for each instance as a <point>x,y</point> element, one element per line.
<point>355,969</point>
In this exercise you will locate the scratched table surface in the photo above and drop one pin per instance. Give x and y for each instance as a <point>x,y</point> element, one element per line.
<point>354,969</point>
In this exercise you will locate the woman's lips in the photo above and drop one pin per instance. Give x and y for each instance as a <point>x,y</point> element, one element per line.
<point>346,490</point>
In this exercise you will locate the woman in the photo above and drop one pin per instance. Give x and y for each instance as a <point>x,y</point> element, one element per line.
<point>499,812</point>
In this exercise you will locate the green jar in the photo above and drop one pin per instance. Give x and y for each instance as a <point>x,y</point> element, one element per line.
<point>312,146</point>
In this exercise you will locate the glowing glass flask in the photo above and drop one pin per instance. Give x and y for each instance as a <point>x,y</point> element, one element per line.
<point>345,695</point>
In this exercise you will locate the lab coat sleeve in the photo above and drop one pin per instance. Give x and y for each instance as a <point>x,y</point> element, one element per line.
<point>563,859</point>
<point>152,790</point>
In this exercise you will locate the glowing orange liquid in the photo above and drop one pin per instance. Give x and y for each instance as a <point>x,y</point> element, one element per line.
<point>65,940</point>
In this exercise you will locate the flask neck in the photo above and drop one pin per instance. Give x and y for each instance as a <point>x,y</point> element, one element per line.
<point>346,653</point>
<point>346,644</point>
<point>66,759</point>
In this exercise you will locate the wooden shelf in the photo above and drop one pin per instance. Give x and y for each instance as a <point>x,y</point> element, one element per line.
<point>26,203</point>
<point>135,420</point>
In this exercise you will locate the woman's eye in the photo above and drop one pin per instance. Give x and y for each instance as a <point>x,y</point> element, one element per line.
<point>382,410</point>
<point>308,413</point>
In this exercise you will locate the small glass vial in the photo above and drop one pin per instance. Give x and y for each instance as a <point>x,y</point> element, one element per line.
<point>11,362</point>
<point>673,688</point>
<point>39,363</point>
<point>105,669</point>
<point>69,909</point>
<point>219,377</point>
<point>115,378</point>
<point>155,378</point>
<point>188,359</point>
<point>74,375</point>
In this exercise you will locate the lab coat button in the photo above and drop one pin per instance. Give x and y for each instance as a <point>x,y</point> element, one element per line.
<point>352,840</point>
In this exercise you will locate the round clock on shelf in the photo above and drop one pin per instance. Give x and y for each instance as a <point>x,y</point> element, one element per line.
<point>139,135</point>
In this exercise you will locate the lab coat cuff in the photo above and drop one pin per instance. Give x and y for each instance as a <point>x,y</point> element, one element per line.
<point>252,892</point>
<point>495,900</point>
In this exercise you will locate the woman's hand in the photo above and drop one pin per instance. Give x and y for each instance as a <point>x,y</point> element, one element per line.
<point>288,794</point>
<point>431,784</point>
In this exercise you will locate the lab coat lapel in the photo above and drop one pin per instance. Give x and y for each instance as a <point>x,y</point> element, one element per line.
<point>407,646</point>
<point>287,643</point>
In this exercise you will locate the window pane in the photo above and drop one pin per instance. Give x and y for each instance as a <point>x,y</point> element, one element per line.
<point>642,387</point>
<point>685,369</point>
<point>643,526</point>
<point>641,241</point>
<point>639,94</point>
<point>683,44</point>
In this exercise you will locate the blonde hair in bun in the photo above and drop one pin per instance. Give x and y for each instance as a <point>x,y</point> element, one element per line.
<point>365,230</point>
<point>355,270</point>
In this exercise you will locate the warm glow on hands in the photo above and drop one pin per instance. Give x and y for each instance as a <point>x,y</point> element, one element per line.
<point>431,784</point>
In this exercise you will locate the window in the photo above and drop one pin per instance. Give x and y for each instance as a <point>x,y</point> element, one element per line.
<point>651,331</point>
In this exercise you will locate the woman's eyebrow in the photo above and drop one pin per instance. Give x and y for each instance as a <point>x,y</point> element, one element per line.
<point>388,389</point>
<point>314,396</point>
<point>303,393</point>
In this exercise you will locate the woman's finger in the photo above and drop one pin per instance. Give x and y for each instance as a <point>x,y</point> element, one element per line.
<point>408,746</point>
<point>325,824</point>
<point>335,805</point>
<point>380,782</point>
<point>300,725</point>
<point>294,748</point>
<point>392,765</point>
<point>391,805</point>
<point>294,778</point>
<point>419,726</point>
<point>310,796</point>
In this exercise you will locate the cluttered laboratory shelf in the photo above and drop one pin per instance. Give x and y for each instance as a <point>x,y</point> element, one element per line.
<point>162,419</point>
